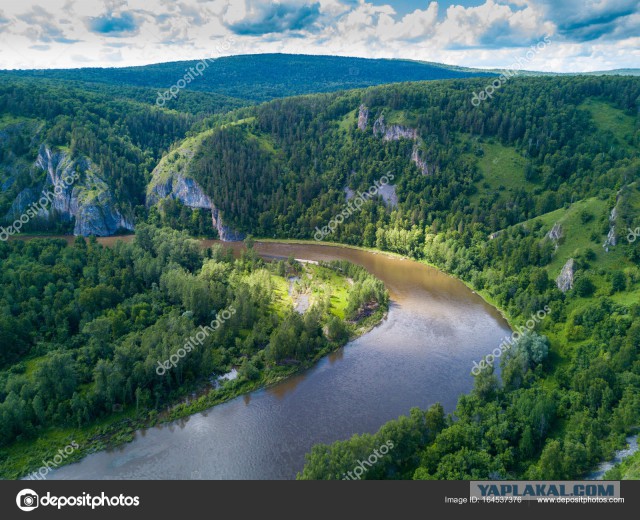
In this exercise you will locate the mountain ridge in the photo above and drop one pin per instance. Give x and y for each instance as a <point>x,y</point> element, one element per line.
<point>261,77</point>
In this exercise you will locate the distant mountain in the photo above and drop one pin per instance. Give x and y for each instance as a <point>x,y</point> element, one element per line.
<point>262,77</point>
<point>521,72</point>
<point>615,72</point>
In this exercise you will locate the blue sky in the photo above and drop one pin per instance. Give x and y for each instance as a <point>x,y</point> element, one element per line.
<point>403,7</point>
<point>583,35</point>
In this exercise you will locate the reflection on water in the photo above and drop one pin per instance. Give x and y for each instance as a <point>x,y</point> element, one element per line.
<point>421,354</point>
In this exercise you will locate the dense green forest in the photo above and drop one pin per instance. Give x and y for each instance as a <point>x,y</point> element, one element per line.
<point>291,160</point>
<point>86,329</point>
<point>261,77</point>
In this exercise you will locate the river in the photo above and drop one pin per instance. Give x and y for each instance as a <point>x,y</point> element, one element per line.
<point>421,354</point>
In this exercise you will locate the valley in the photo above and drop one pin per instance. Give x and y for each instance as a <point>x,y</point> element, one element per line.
<point>527,199</point>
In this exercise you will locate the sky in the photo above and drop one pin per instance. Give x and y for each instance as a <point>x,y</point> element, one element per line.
<point>579,35</point>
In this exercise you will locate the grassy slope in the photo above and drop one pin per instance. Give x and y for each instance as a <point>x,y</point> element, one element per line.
<point>503,171</point>
<point>610,119</point>
<point>502,168</point>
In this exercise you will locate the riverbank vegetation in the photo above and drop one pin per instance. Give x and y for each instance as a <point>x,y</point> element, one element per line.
<point>98,342</point>
<point>628,469</point>
<point>551,418</point>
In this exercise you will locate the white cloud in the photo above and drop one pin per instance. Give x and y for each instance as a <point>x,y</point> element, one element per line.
<point>586,35</point>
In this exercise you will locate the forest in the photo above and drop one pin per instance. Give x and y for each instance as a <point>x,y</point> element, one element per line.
<point>85,329</point>
<point>290,160</point>
<point>259,77</point>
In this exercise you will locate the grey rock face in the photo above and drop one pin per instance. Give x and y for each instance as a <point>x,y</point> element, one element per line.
<point>78,192</point>
<point>363,118</point>
<point>100,218</point>
<point>349,193</point>
<point>168,183</point>
<point>611,240</point>
<point>396,132</point>
<point>388,194</point>
<point>565,279</point>
<point>555,234</point>
<point>419,161</point>
<point>225,233</point>
<point>392,132</point>
<point>379,127</point>
<point>72,189</point>
<point>60,172</point>
<point>181,188</point>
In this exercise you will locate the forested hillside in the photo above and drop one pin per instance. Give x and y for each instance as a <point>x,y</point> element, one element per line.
<point>291,159</point>
<point>261,77</point>
<point>51,129</point>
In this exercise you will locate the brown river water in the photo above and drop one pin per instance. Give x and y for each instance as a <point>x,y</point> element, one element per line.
<point>421,354</point>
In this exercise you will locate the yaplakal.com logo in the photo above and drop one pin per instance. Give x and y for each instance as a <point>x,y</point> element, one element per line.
<point>28,500</point>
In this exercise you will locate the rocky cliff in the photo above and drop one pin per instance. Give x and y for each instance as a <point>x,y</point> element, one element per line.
<point>169,179</point>
<point>555,234</point>
<point>395,133</point>
<point>417,159</point>
<point>181,188</point>
<point>363,118</point>
<point>611,240</point>
<point>225,233</point>
<point>392,132</point>
<point>72,190</point>
<point>565,279</point>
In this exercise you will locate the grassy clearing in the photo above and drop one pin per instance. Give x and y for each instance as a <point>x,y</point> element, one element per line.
<point>584,226</point>
<point>579,235</point>
<point>400,117</point>
<point>7,120</point>
<point>502,169</point>
<point>330,282</point>
<point>282,300</point>
<point>266,142</point>
<point>348,122</point>
<point>610,119</point>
